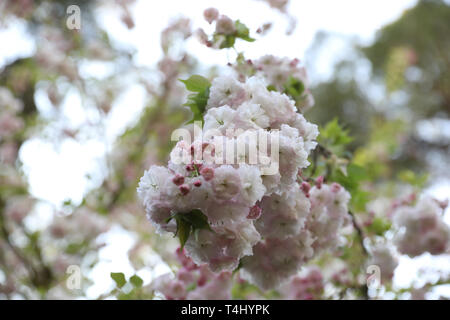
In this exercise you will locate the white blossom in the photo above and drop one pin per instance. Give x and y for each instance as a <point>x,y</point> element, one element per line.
<point>421,228</point>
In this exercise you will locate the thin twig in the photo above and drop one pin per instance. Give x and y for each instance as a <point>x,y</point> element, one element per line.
<point>360,232</point>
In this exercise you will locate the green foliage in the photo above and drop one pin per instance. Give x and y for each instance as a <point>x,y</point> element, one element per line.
<point>409,177</point>
<point>396,66</point>
<point>377,156</point>
<point>242,31</point>
<point>295,88</point>
<point>189,223</point>
<point>351,180</point>
<point>336,163</point>
<point>129,290</point>
<point>228,41</point>
<point>196,83</point>
<point>379,226</point>
<point>243,290</point>
<point>119,279</point>
<point>240,291</point>
<point>183,232</point>
<point>353,255</point>
<point>198,100</point>
<point>76,247</point>
<point>191,287</point>
<point>136,281</point>
<point>334,137</point>
<point>426,47</point>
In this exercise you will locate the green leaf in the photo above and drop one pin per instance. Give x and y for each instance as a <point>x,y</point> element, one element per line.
<point>183,231</point>
<point>196,83</point>
<point>190,223</point>
<point>360,199</point>
<point>271,88</point>
<point>412,178</point>
<point>242,31</point>
<point>242,290</point>
<point>334,136</point>
<point>357,173</point>
<point>75,247</point>
<point>197,219</point>
<point>191,287</point>
<point>119,279</point>
<point>351,181</point>
<point>197,101</point>
<point>136,281</point>
<point>228,41</point>
<point>169,219</point>
<point>294,87</point>
<point>379,226</point>
<point>240,59</point>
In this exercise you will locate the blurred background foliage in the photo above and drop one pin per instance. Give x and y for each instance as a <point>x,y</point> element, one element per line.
<point>408,87</point>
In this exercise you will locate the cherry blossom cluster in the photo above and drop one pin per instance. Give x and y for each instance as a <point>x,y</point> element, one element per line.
<point>224,26</point>
<point>76,233</point>
<point>68,227</point>
<point>306,286</point>
<point>284,75</point>
<point>193,282</point>
<point>421,228</point>
<point>296,227</point>
<point>266,222</point>
<point>280,70</point>
<point>226,30</point>
<point>385,257</point>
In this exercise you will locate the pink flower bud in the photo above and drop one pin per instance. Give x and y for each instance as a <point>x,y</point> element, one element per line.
<point>208,150</point>
<point>184,189</point>
<point>204,145</point>
<point>335,187</point>
<point>178,179</point>
<point>305,187</point>
<point>410,199</point>
<point>198,183</point>
<point>319,182</point>
<point>443,204</point>
<point>202,280</point>
<point>294,62</point>
<point>202,37</point>
<point>225,25</point>
<point>185,261</point>
<point>211,14</point>
<point>254,213</point>
<point>207,173</point>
